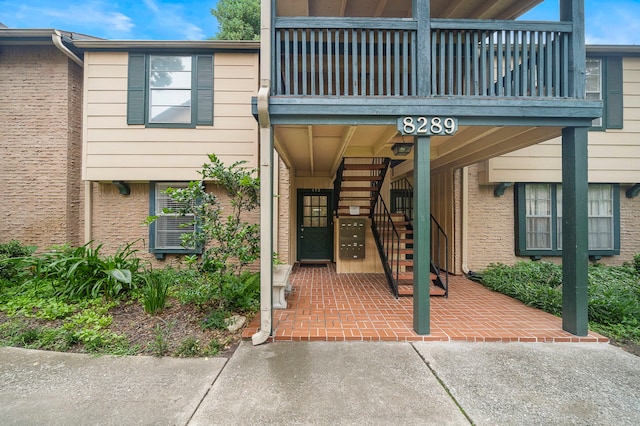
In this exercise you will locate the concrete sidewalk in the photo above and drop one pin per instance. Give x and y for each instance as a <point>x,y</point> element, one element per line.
<point>320,383</point>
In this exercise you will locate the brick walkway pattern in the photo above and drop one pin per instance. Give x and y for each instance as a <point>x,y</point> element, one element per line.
<point>327,306</point>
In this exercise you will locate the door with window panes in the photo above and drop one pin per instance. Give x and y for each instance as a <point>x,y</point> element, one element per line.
<point>315,225</point>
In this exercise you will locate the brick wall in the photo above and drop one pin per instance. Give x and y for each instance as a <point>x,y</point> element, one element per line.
<point>284,200</point>
<point>40,139</point>
<point>629,229</point>
<point>118,220</point>
<point>491,236</point>
<point>490,233</point>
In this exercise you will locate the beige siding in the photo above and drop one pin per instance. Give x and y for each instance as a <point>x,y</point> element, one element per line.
<point>114,150</point>
<point>614,155</point>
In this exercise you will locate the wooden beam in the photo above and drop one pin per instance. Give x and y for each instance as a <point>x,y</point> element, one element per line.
<point>282,150</point>
<point>451,10</point>
<point>347,135</point>
<point>469,135</point>
<point>310,142</point>
<point>471,154</point>
<point>384,139</point>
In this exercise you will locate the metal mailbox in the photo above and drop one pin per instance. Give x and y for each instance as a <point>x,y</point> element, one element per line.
<point>352,238</point>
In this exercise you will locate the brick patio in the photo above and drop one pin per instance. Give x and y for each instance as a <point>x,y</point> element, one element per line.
<point>327,306</point>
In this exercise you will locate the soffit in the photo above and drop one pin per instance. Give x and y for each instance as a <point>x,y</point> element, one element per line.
<point>461,9</point>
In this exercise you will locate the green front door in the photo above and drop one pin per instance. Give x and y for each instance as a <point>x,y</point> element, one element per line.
<point>315,225</point>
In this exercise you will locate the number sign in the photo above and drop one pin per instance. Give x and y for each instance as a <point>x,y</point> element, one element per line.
<point>427,126</point>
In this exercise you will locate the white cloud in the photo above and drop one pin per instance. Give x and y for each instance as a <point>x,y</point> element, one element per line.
<point>151,4</point>
<point>92,17</point>
<point>614,24</point>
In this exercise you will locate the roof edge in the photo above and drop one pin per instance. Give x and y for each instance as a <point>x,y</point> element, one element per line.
<point>167,44</point>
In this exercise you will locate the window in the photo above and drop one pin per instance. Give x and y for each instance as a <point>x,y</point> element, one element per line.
<point>165,233</point>
<point>604,82</point>
<point>539,219</point>
<point>170,90</point>
<point>594,84</point>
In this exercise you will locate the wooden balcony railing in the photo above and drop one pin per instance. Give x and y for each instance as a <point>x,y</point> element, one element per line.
<point>379,57</point>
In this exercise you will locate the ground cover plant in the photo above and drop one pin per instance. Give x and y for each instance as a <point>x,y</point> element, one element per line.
<point>614,294</point>
<point>78,299</point>
<point>162,312</point>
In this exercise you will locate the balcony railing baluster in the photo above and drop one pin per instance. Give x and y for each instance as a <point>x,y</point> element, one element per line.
<point>469,58</point>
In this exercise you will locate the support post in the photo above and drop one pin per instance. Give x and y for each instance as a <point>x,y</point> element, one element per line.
<point>422,234</point>
<point>422,14</point>
<point>575,243</point>
<point>573,11</point>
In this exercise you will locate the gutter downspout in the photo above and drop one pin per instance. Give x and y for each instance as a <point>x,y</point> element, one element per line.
<point>88,211</point>
<point>56,37</point>
<point>266,180</point>
<point>465,219</point>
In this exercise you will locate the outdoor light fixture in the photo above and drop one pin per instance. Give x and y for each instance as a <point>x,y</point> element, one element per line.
<point>401,149</point>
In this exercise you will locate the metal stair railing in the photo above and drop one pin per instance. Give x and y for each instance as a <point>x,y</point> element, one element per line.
<point>403,191</point>
<point>388,242</point>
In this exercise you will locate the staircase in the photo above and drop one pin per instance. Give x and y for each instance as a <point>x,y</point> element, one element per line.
<point>357,185</point>
<point>357,188</point>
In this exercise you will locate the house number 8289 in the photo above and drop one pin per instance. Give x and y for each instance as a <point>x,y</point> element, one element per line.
<point>427,126</point>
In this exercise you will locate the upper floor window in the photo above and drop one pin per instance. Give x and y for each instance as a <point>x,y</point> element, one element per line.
<point>594,84</point>
<point>539,219</point>
<point>170,90</point>
<point>604,82</point>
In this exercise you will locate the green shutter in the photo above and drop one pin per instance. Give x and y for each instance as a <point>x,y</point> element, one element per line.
<point>613,96</point>
<point>204,90</point>
<point>136,89</point>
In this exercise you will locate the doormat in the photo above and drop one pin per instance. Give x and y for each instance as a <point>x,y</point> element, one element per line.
<point>314,263</point>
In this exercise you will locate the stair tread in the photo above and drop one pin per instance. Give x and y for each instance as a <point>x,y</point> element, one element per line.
<point>358,189</point>
<point>361,178</point>
<point>351,166</point>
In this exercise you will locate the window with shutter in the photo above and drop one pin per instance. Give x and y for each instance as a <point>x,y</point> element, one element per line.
<point>539,219</point>
<point>170,90</point>
<point>604,82</point>
<point>167,231</point>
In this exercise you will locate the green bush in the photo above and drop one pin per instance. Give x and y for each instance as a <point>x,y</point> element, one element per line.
<point>636,262</point>
<point>82,272</point>
<point>9,270</point>
<point>241,293</point>
<point>155,290</point>
<point>614,293</point>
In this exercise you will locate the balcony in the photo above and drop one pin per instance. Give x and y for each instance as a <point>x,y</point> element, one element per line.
<point>467,58</point>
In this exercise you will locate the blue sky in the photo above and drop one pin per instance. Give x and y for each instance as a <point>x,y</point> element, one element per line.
<point>610,22</point>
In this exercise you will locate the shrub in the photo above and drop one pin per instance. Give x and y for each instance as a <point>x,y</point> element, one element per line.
<point>155,290</point>
<point>614,293</point>
<point>636,262</point>
<point>9,270</point>
<point>81,272</point>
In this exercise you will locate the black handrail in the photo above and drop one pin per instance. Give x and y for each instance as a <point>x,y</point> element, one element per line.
<point>388,242</point>
<point>336,188</point>
<point>404,192</point>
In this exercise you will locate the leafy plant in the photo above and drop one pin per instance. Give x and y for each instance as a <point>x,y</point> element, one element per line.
<point>82,272</point>
<point>614,293</point>
<point>9,270</point>
<point>229,243</point>
<point>217,319</point>
<point>189,348</point>
<point>160,346</point>
<point>155,290</point>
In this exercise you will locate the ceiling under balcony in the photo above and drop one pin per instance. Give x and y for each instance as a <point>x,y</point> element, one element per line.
<point>461,9</point>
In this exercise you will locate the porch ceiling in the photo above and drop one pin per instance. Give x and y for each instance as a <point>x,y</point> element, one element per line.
<point>316,151</point>
<point>471,9</point>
